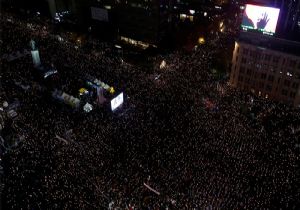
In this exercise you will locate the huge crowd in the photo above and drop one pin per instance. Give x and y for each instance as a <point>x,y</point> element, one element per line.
<point>192,138</point>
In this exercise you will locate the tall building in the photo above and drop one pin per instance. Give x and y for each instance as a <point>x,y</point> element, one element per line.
<point>138,22</point>
<point>143,21</point>
<point>267,66</point>
<point>290,13</point>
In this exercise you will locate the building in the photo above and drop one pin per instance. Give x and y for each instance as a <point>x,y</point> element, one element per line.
<point>268,67</point>
<point>137,22</point>
<point>143,22</point>
<point>290,14</point>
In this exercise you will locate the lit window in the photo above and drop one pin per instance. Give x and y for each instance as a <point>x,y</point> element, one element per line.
<point>192,11</point>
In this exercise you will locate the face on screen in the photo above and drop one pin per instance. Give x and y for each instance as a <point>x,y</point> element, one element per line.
<point>261,18</point>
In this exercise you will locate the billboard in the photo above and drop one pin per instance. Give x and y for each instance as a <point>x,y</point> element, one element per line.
<point>117,101</point>
<point>260,18</point>
<point>99,14</point>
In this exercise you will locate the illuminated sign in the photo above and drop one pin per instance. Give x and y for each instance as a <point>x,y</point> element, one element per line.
<point>117,101</point>
<point>260,18</point>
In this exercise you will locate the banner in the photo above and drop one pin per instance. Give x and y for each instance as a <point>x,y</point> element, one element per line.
<point>36,57</point>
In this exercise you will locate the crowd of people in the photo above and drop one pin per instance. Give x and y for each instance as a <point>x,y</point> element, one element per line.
<point>183,139</point>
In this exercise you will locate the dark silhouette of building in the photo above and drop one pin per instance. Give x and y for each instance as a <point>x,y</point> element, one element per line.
<point>142,21</point>
<point>289,16</point>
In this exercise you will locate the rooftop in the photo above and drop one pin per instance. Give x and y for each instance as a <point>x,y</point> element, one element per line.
<point>271,42</point>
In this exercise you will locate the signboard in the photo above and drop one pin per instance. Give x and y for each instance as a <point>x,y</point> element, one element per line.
<point>260,18</point>
<point>117,101</point>
<point>36,57</point>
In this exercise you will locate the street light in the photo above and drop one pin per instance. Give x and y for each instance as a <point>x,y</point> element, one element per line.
<point>201,40</point>
<point>192,11</point>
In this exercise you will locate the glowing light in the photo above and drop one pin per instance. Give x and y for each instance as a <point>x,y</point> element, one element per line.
<point>221,24</point>
<point>87,107</point>
<point>201,40</point>
<point>116,102</point>
<point>111,90</point>
<point>162,64</point>
<point>192,11</point>
<point>182,16</point>
<point>83,91</point>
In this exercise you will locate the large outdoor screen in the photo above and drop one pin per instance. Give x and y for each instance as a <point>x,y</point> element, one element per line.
<point>117,101</point>
<point>260,18</point>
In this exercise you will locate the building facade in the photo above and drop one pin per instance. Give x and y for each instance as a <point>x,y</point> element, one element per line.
<point>137,22</point>
<point>144,21</point>
<point>267,67</point>
<point>290,14</point>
